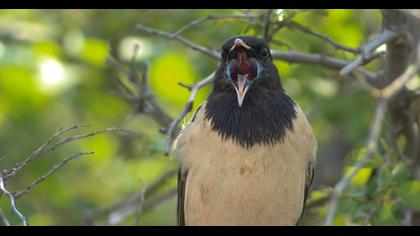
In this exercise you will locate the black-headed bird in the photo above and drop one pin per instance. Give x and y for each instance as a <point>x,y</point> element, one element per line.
<point>247,155</point>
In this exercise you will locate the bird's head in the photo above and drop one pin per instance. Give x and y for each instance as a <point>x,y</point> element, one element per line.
<point>246,63</point>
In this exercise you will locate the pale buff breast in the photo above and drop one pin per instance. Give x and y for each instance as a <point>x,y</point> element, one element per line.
<point>230,185</point>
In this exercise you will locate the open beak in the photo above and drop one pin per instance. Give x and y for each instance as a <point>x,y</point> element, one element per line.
<point>243,75</point>
<point>242,87</point>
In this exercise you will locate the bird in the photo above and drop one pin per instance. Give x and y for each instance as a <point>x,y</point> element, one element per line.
<point>247,155</point>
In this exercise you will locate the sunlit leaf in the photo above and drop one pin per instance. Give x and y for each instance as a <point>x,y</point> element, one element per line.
<point>400,173</point>
<point>385,216</point>
<point>409,193</point>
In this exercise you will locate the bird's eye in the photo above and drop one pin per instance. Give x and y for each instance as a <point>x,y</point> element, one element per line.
<point>264,52</point>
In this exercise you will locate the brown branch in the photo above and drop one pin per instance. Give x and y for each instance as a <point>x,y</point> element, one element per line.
<point>173,127</point>
<point>13,202</point>
<point>18,194</point>
<point>304,29</point>
<point>317,59</point>
<point>144,100</point>
<point>367,49</point>
<point>180,39</point>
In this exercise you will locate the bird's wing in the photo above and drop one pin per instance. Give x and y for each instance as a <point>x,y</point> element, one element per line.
<point>182,176</point>
<point>182,173</point>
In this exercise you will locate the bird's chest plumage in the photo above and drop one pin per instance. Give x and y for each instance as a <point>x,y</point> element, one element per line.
<point>229,184</point>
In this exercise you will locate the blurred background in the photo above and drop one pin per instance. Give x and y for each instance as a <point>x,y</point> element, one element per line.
<point>53,74</point>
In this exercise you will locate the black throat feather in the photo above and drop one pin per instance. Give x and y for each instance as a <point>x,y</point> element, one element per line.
<point>263,118</point>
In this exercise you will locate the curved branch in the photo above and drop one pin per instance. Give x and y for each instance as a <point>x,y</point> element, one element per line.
<point>13,202</point>
<point>385,95</point>
<point>367,49</point>
<point>317,59</point>
<point>173,127</point>
<point>180,39</point>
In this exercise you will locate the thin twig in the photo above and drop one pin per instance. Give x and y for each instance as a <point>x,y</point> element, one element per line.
<point>173,127</point>
<point>187,86</point>
<point>47,148</point>
<point>133,199</point>
<point>116,217</point>
<point>210,17</point>
<point>38,152</point>
<point>367,49</point>
<point>18,194</point>
<point>148,204</point>
<point>168,36</point>
<point>13,202</point>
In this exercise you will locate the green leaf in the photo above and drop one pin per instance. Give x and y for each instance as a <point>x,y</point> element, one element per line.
<point>385,216</point>
<point>400,173</point>
<point>409,193</point>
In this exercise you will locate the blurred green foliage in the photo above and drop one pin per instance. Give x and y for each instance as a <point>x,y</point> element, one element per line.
<point>53,75</point>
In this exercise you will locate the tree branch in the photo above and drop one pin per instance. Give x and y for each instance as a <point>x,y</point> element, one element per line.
<point>13,202</point>
<point>180,39</point>
<point>385,95</point>
<point>173,127</point>
<point>367,49</point>
<point>144,100</point>
<point>210,17</point>
<point>8,174</point>
<point>18,194</point>
<point>317,59</point>
<point>133,199</point>
<point>304,29</point>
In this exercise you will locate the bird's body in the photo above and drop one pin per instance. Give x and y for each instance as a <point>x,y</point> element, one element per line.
<point>245,162</point>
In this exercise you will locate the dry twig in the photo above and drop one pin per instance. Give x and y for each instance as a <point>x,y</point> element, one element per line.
<point>13,202</point>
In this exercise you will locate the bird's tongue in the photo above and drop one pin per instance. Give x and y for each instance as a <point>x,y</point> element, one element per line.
<point>241,83</point>
<point>242,88</point>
